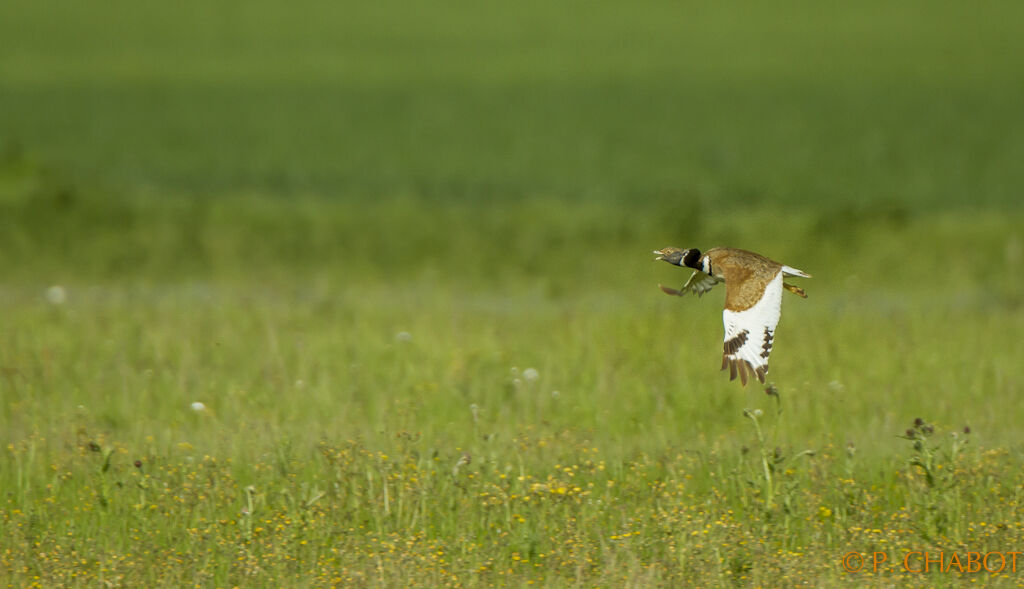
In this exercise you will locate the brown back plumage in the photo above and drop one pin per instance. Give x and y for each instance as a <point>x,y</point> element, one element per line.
<point>746,274</point>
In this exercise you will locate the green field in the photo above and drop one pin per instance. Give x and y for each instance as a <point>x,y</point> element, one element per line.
<point>347,295</point>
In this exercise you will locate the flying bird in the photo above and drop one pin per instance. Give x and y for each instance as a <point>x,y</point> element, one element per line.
<point>753,300</point>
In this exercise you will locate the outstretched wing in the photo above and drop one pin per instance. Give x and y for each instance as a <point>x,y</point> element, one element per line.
<point>699,283</point>
<point>749,334</point>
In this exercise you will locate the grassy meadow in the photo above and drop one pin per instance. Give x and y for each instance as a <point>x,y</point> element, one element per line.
<point>336,295</point>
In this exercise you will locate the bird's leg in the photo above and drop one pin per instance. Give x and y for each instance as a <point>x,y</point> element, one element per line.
<point>670,291</point>
<point>794,289</point>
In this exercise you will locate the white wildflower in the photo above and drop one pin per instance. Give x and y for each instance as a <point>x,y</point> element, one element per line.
<point>56,295</point>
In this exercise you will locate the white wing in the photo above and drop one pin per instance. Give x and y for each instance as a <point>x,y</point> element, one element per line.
<point>791,271</point>
<point>749,334</point>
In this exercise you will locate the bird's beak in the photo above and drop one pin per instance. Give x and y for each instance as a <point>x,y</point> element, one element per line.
<point>661,256</point>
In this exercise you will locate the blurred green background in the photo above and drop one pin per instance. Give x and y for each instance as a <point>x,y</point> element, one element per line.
<point>535,150</point>
<point>141,139</point>
<point>798,104</point>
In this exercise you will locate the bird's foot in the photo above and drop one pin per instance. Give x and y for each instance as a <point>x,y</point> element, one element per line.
<point>794,289</point>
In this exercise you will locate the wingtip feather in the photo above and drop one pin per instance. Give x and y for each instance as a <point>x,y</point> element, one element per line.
<point>670,291</point>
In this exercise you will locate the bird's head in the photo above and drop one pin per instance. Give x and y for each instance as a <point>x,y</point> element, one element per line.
<point>678,257</point>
